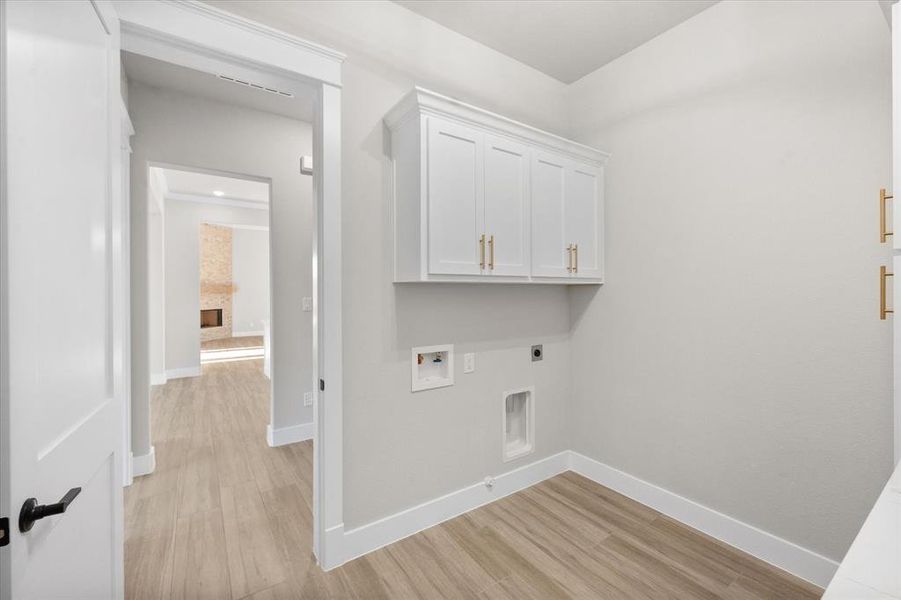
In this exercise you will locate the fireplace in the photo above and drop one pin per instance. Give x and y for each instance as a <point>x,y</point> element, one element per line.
<point>210,317</point>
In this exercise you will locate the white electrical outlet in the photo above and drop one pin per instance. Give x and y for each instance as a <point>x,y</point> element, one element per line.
<point>307,304</point>
<point>469,362</point>
<point>308,398</point>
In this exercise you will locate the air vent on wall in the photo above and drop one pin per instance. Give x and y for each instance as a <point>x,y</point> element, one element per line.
<point>257,86</point>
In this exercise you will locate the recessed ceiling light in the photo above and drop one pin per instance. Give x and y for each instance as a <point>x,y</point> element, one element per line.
<point>218,193</point>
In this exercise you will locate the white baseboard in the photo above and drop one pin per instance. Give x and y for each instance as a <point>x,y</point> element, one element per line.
<point>183,372</point>
<point>248,333</point>
<point>331,546</point>
<point>143,464</point>
<point>377,534</point>
<point>781,553</point>
<point>158,378</point>
<point>289,435</point>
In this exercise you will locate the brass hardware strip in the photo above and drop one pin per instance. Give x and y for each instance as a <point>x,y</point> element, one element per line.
<point>491,252</point>
<point>882,231</point>
<point>482,252</point>
<point>569,258</point>
<point>576,252</point>
<point>882,308</point>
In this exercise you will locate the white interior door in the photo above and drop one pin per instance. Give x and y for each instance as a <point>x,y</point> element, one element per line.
<point>507,206</point>
<point>584,224</point>
<point>455,198</point>
<point>896,136</point>
<point>549,255</point>
<point>896,192</point>
<point>61,336</point>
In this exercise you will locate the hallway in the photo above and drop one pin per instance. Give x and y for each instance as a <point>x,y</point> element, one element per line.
<point>223,515</point>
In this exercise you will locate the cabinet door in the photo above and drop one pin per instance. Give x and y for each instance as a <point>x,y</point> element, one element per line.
<point>584,219</point>
<point>507,206</point>
<point>549,255</point>
<point>456,211</point>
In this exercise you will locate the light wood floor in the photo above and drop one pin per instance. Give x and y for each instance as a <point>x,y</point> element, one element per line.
<point>226,517</point>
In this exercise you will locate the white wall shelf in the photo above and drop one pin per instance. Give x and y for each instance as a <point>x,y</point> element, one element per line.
<point>478,197</point>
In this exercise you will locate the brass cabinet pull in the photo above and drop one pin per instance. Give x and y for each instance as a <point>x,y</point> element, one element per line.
<point>882,231</point>
<point>576,253</point>
<point>491,252</point>
<point>482,252</point>
<point>569,258</point>
<point>883,275</point>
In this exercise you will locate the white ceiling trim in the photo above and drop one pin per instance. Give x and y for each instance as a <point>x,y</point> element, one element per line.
<point>239,226</point>
<point>201,199</point>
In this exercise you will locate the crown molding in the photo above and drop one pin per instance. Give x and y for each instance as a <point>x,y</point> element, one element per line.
<point>422,102</point>
<point>212,12</point>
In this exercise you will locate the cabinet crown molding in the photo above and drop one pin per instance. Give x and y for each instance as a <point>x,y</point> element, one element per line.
<point>420,101</point>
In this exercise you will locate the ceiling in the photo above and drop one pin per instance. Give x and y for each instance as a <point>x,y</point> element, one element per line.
<point>160,74</point>
<point>566,39</point>
<point>192,183</point>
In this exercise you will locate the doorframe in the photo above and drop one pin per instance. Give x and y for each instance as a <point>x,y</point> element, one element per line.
<point>182,30</point>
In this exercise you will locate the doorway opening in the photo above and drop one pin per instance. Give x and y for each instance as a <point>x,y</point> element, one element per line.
<point>230,249</point>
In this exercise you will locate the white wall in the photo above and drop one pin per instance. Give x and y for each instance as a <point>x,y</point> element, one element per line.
<point>250,275</point>
<point>735,355</point>
<point>156,276</point>
<point>174,128</point>
<point>403,448</point>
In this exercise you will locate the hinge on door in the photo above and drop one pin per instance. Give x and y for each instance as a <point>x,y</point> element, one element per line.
<point>4,531</point>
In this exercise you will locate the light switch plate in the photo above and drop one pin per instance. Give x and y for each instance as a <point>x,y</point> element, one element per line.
<point>308,398</point>
<point>307,304</point>
<point>469,362</point>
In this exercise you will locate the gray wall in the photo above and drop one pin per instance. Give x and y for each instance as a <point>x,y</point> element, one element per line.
<point>250,274</point>
<point>401,448</point>
<point>735,355</point>
<point>174,128</point>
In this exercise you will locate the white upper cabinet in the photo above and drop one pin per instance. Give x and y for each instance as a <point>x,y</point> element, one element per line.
<point>506,207</point>
<point>550,256</point>
<point>584,221</point>
<point>478,197</point>
<point>456,198</point>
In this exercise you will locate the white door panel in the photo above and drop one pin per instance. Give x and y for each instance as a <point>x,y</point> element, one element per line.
<point>64,414</point>
<point>549,255</point>
<point>896,135</point>
<point>507,206</point>
<point>892,303</point>
<point>583,214</point>
<point>455,198</point>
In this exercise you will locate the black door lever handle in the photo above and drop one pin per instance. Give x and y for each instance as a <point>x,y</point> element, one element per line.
<point>32,511</point>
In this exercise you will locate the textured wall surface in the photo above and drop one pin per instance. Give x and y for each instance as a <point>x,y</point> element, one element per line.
<point>216,277</point>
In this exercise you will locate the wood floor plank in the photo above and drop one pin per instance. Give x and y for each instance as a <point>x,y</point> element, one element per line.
<point>676,582</point>
<point>149,547</point>
<point>198,484</point>
<point>201,564</point>
<point>255,560</point>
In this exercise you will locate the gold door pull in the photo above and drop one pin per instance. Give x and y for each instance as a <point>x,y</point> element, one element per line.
<point>883,233</point>
<point>491,252</point>
<point>569,259</point>
<point>883,275</point>
<point>576,253</point>
<point>482,252</point>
